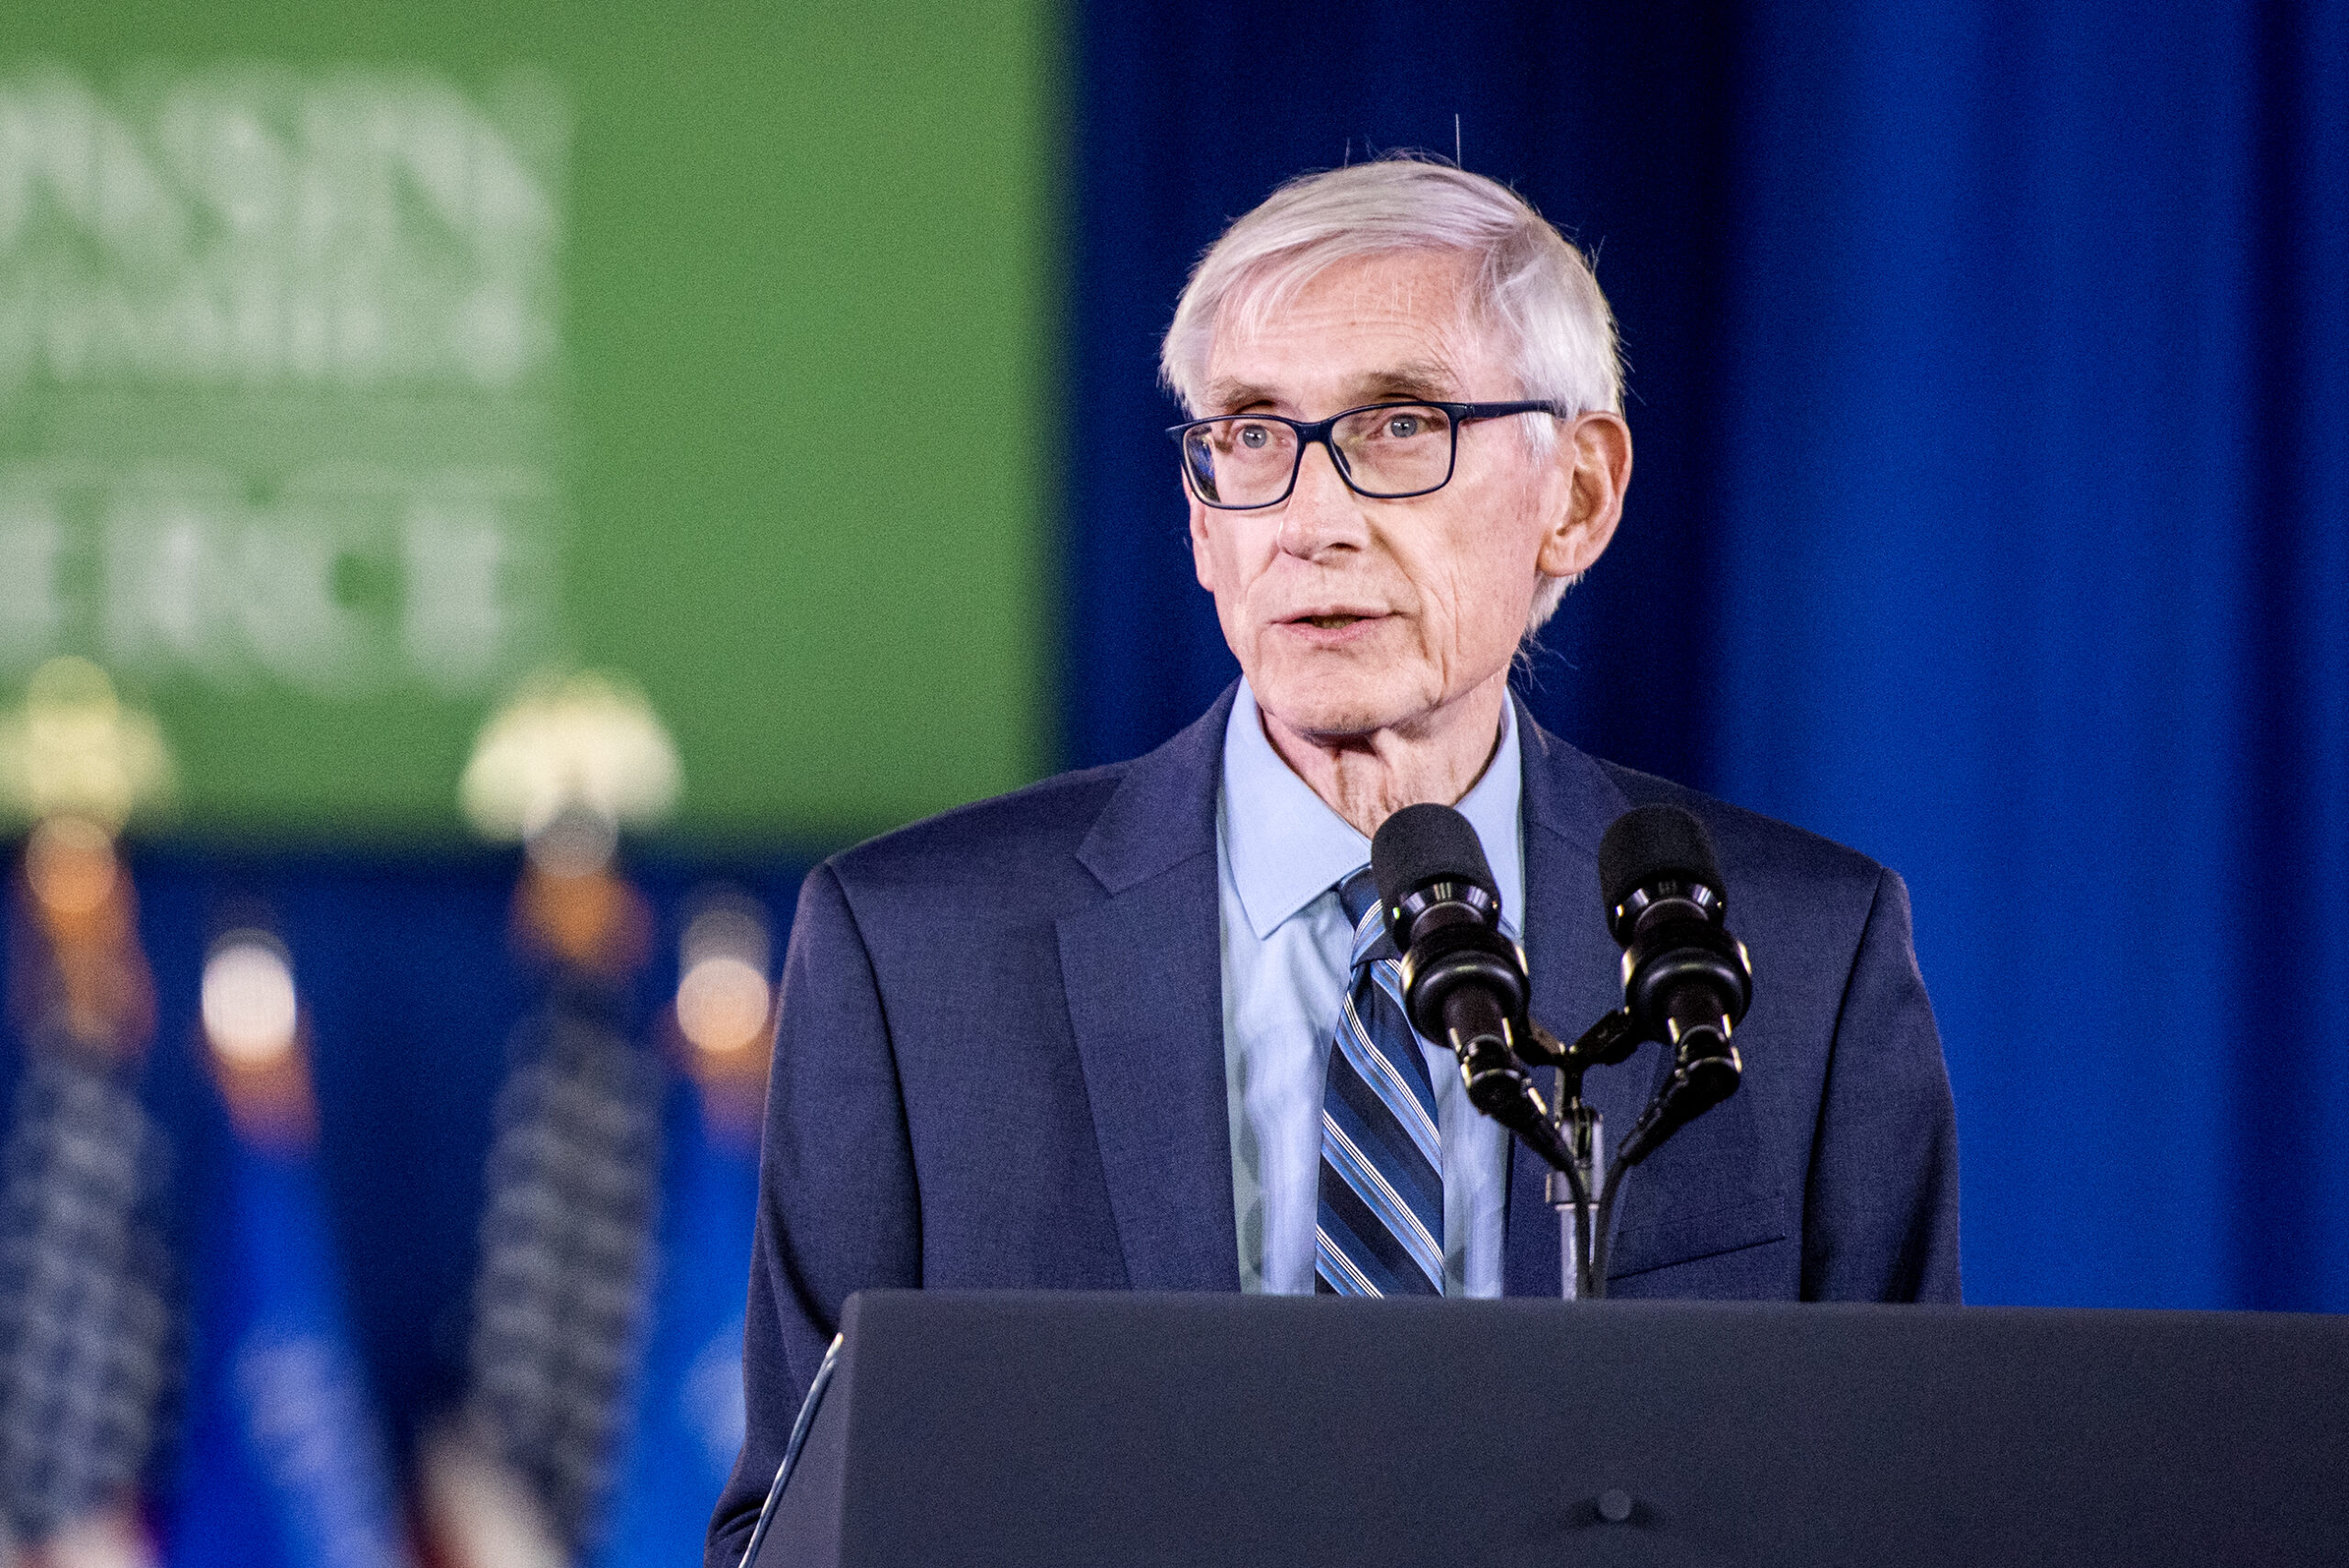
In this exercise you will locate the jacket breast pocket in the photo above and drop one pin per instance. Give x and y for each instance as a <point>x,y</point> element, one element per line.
<point>1746,1249</point>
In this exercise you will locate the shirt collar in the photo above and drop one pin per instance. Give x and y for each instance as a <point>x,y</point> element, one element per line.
<point>1286,847</point>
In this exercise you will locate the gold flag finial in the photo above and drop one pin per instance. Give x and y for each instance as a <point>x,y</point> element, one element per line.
<point>564,766</point>
<point>75,749</point>
<point>580,743</point>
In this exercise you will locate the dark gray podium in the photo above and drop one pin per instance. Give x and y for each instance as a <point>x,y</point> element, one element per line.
<point>1121,1431</point>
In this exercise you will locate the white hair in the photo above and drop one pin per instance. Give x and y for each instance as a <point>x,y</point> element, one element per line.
<point>1529,284</point>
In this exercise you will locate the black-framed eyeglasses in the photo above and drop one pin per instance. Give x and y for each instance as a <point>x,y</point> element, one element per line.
<point>1387,452</point>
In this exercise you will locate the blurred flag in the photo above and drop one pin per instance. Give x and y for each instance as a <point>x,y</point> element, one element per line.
<point>84,1328</point>
<point>524,1473</point>
<point>688,1424</point>
<point>283,1464</point>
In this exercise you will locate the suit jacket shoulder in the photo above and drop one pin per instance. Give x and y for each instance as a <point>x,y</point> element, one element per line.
<point>1010,843</point>
<point>1770,851</point>
<point>1076,835</point>
<point>1838,990</point>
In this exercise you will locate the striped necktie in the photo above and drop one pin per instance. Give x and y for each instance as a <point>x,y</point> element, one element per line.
<point>1380,1230</point>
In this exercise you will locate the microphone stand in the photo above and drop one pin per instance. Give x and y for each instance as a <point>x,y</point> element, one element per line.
<point>1573,1184</point>
<point>1567,1136</point>
<point>1495,1067</point>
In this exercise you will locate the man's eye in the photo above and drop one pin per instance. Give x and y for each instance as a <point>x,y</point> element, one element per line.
<point>1403,426</point>
<point>1255,438</point>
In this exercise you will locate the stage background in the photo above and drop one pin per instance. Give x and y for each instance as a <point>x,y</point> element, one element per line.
<point>1989,384</point>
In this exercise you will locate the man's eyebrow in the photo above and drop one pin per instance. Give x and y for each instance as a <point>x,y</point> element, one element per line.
<point>1417,378</point>
<point>1413,378</point>
<point>1229,397</point>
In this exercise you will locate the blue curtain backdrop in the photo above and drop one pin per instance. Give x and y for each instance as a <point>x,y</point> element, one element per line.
<point>1990,388</point>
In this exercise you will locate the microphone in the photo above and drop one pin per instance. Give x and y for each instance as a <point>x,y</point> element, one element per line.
<point>1687,982</point>
<point>1463,982</point>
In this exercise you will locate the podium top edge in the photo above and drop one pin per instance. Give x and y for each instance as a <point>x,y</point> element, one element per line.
<point>1057,1303</point>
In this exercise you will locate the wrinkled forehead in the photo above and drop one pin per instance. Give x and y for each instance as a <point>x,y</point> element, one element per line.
<point>1404,321</point>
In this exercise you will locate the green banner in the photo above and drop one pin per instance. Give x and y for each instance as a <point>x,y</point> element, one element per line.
<point>356,365</point>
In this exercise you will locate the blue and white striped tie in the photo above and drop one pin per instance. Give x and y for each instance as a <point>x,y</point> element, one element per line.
<point>1380,1230</point>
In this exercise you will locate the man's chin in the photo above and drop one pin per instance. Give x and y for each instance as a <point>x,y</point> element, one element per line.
<point>1329,711</point>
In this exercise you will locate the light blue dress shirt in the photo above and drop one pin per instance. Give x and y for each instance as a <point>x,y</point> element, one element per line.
<point>1281,853</point>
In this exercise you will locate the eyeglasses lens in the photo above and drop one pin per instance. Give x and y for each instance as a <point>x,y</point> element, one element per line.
<point>1396,449</point>
<point>1240,461</point>
<point>1400,449</point>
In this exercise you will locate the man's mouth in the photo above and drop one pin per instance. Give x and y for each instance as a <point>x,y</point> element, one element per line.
<point>1337,619</point>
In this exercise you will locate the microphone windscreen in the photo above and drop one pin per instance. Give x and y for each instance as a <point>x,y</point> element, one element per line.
<point>1421,844</point>
<point>1652,842</point>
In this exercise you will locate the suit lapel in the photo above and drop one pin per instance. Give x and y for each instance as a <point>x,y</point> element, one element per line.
<point>1144,974</point>
<point>1710,1166</point>
<point>1575,969</point>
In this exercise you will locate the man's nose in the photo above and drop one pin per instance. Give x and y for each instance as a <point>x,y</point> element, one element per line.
<point>1320,512</point>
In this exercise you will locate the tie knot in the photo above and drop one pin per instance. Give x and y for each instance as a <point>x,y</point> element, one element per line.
<point>1358,895</point>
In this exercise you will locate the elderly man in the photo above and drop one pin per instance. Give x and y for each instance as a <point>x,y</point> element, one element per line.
<point>1082,1036</point>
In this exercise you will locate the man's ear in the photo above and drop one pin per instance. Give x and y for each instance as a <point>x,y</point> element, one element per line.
<point>1592,468</point>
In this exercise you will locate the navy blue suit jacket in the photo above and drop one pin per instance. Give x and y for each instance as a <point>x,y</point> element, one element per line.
<point>1000,1064</point>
